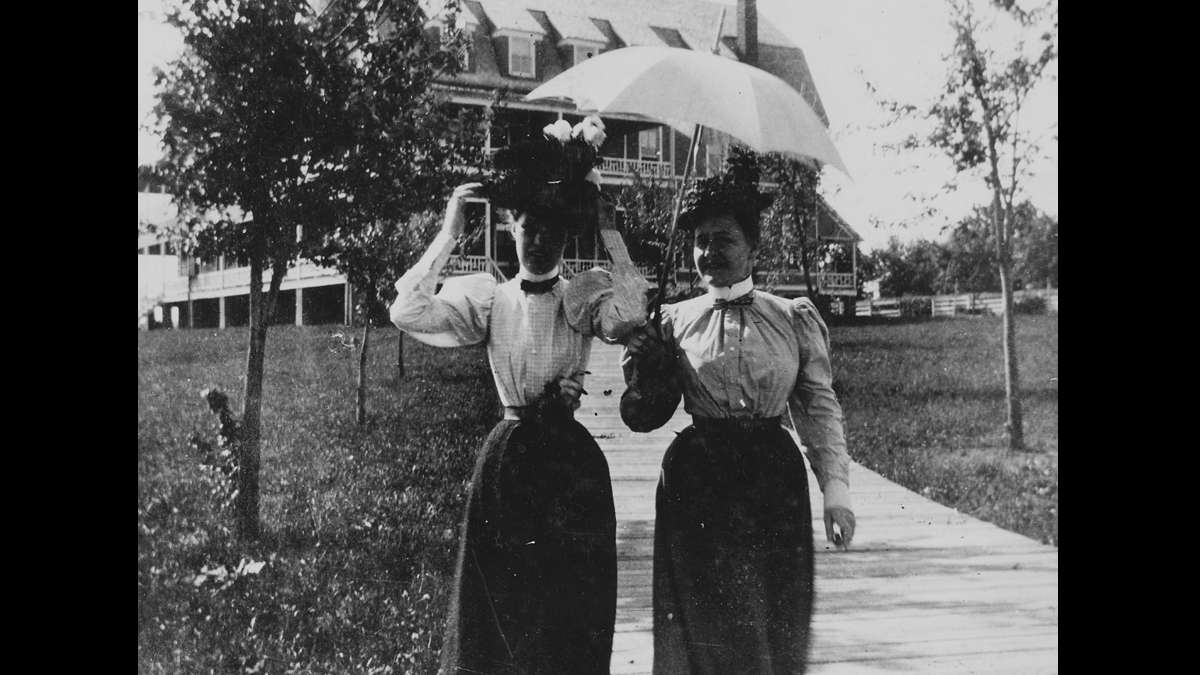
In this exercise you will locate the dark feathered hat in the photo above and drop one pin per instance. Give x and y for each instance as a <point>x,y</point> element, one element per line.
<point>552,175</point>
<point>734,192</point>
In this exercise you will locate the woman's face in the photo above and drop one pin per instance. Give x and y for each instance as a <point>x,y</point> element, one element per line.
<point>539,248</point>
<point>722,253</point>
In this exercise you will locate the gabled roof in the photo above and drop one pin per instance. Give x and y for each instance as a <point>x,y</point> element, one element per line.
<point>576,27</point>
<point>830,225</point>
<point>512,16</point>
<point>693,24</point>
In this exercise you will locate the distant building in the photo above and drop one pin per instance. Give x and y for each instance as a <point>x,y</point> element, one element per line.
<point>515,45</point>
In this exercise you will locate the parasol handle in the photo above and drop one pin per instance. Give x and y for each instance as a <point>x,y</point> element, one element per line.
<point>669,254</point>
<point>656,303</point>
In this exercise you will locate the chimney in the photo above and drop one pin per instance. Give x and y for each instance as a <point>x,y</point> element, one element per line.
<point>747,27</point>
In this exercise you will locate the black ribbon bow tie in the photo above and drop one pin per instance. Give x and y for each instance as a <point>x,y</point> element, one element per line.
<point>740,301</point>
<point>538,287</point>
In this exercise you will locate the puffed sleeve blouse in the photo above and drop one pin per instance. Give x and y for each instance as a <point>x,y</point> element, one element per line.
<point>531,338</point>
<point>739,361</point>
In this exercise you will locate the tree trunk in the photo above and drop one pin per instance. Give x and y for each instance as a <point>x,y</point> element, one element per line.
<point>246,503</point>
<point>261,312</point>
<point>1012,391</point>
<point>360,409</point>
<point>798,222</point>
<point>400,355</point>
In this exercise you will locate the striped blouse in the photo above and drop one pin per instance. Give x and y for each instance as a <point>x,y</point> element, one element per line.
<point>531,338</point>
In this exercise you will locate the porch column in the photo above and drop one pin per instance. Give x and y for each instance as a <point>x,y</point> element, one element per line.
<point>487,136</point>
<point>221,312</point>
<point>488,253</point>
<point>854,266</point>
<point>299,306</point>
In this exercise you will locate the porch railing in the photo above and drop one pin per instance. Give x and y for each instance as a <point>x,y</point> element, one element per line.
<point>627,167</point>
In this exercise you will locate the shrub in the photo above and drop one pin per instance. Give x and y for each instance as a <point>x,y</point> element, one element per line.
<point>1030,304</point>
<point>916,307</point>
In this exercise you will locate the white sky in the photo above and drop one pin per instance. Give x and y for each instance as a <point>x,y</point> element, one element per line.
<point>897,44</point>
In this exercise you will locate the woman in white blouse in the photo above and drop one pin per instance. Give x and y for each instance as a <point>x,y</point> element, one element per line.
<point>733,541</point>
<point>535,584</point>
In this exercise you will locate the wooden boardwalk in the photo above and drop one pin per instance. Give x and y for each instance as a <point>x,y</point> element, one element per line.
<point>924,588</point>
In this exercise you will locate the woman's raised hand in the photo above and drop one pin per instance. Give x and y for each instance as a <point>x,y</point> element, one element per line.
<point>456,218</point>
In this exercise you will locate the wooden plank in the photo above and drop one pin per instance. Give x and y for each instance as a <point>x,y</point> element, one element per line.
<point>924,588</point>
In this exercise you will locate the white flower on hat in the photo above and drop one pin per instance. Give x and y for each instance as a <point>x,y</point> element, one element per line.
<point>591,129</point>
<point>560,130</point>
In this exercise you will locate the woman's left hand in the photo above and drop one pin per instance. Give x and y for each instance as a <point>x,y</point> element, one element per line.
<point>843,517</point>
<point>570,391</point>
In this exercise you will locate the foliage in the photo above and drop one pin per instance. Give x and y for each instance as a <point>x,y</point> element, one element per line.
<point>971,252</point>
<point>912,268</point>
<point>412,147</point>
<point>281,123</point>
<point>789,224</point>
<point>353,570</point>
<point>966,261</point>
<point>916,307</point>
<point>649,203</point>
<point>1033,304</point>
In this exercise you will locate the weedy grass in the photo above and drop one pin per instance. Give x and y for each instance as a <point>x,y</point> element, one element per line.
<point>360,524</point>
<point>353,569</point>
<point>924,406</point>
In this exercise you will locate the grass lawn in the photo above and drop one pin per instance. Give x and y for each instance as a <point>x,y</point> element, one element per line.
<point>924,406</point>
<point>360,524</point>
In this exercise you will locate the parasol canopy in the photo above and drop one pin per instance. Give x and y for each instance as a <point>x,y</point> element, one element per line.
<point>685,88</point>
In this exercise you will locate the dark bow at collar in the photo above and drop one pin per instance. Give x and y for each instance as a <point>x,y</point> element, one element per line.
<point>539,287</point>
<point>740,301</point>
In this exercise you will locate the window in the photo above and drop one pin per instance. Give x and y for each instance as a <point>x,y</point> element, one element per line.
<point>582,54</point>
<point>155,250</point>
<point>650,144</point>
<point>521,56</point>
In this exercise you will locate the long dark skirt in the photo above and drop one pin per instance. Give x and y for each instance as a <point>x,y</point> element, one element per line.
<point>536,585</point>
<point>733,554</point>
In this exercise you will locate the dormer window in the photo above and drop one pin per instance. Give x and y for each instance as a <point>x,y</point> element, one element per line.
<point>583,54</point>
<point>522,57</point>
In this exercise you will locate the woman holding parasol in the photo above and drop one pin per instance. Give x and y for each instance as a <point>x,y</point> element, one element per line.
<point>733,541</point>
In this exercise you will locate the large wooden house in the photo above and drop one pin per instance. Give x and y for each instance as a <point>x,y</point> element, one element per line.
<point>513,46</point>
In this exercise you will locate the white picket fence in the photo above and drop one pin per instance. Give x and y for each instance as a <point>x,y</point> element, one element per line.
<point>951,305</point>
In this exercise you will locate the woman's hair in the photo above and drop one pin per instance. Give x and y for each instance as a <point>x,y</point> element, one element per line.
<point>552,177</point>
<point>735,193</point>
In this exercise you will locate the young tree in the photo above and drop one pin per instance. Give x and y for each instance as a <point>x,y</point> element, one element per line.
<point>424,148</point>
<point>648,204</point>
<point>294,116</point>
<point>977,123</point>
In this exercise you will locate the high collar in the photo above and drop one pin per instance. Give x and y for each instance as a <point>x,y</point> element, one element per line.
<point>730,292</point>
<point>530,276</point>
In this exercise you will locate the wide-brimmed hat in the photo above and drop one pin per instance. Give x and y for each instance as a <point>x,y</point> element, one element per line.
<point>552,175</point>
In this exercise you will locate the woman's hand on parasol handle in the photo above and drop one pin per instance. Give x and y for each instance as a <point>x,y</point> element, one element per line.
<point>570,390</point>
